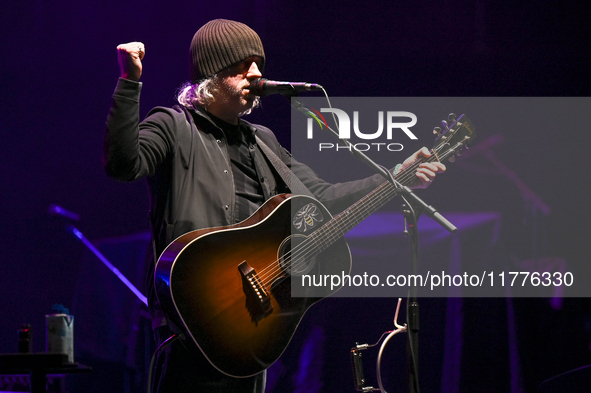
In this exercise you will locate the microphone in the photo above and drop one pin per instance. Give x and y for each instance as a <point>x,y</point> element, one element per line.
<point>264,87</point>
<point>56,210</point>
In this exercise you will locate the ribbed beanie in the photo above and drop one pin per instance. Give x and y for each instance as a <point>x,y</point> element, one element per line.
<point>219,44</point>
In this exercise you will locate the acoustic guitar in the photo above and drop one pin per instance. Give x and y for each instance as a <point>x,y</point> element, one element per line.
<point>228,289</point>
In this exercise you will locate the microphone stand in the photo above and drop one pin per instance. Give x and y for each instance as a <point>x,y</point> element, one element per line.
<point>412,306</point>
<point>414,207</point>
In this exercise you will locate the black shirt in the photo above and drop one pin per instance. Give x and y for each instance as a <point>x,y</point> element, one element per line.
<point>241,146</point>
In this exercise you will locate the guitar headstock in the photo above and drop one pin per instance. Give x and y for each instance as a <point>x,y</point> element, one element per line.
<point>456,134</point>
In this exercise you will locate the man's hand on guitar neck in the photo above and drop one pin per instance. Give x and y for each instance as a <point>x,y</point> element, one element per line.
<point>426,171</point>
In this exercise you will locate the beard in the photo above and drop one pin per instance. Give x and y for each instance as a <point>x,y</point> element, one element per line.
<point>230,93</point>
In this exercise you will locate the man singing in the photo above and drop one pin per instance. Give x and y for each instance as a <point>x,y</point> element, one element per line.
<point>205,168</point>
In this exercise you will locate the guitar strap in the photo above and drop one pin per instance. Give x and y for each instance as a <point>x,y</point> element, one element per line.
<point>295,185</point>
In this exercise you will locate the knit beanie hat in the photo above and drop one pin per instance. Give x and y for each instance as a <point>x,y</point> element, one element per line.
<point>219,44</point>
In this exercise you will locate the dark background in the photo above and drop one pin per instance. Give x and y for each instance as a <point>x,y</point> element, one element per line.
<point>59,68</point>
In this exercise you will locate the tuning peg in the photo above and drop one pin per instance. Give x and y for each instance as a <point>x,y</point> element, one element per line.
<point>444,124</point>
<point>437,131</point>
<point>459,153</point>
<point>451,117</point>
<point>452,159</point>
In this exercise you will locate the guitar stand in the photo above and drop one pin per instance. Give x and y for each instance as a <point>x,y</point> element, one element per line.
<point>357,362</point>
<point>411,214</point>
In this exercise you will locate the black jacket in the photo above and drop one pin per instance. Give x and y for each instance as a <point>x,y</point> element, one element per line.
<point>184,157</point>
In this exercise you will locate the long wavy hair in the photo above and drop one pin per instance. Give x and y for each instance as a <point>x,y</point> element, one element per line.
<point>203,93</point>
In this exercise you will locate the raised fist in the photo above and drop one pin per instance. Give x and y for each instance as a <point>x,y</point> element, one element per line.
<point>130,57</point>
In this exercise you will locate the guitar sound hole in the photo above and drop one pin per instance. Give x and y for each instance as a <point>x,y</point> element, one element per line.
<point>292,256</point>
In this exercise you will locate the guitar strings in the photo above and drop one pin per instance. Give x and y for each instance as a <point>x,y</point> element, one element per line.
<point>384,192</point>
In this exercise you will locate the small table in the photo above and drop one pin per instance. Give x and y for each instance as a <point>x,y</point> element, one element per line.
<point>39,366</point>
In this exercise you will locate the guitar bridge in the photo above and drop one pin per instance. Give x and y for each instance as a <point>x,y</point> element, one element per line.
<point>258,301</point>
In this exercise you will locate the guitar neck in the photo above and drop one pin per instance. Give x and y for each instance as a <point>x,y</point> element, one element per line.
<point>360,210</point>
<point>448,143</point>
